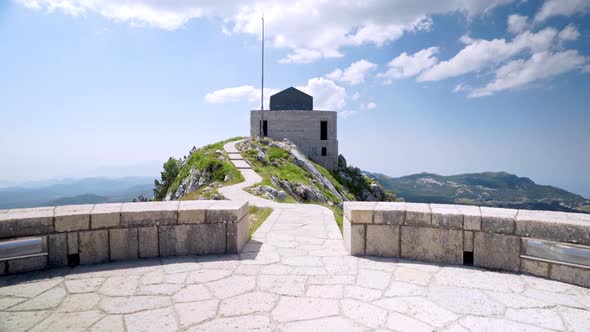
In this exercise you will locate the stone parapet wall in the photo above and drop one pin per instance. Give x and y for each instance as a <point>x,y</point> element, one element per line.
<point>89,234</point>
<point>457,234</point>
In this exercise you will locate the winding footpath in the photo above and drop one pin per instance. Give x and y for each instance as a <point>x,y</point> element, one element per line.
<point>293,275</point>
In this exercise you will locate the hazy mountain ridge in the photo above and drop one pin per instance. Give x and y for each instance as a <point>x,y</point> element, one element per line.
<point>497,189</point>
<point>77,191</point>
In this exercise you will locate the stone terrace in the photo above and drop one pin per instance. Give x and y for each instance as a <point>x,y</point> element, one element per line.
<point>294,275</point>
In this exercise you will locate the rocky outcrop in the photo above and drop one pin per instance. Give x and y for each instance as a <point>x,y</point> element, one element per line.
<point>201,178</point>
<point>300,192</point>
<point>270,193</point>
<point>361,186</point>
<point>333,188</point>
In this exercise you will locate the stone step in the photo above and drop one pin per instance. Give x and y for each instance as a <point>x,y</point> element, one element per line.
<point>241,164</point>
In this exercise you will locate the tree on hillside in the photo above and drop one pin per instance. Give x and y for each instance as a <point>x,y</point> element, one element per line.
<point>171,169</point>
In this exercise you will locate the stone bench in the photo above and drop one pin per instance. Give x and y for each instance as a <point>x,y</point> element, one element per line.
<point>554,245</point>
<point>90,234</point>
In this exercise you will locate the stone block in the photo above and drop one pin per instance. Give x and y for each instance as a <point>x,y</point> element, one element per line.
<point>210,240</point>
<point>198,239</point>
<point>167,238</point>
<point>360,212</point>
<point>446,216</point>
<point>533,267</point>
<point>27,264</point>
<point>494,220</point>
<point>148,242</point>
<point>571,274</point>
<point>468,241</point>
<point>432,244</point>
<point>58,249</point>
<point>26,222</point>
<point>72,217</point>
<point>72,243</point>
<point>354,237</point>
<point>418,214</point>
<point>496,251</point>
<point>226,211</point>
<point>382,240</point>
<point>123,243</point>
<point>390,213</point>
<point>238,235</point>
<point>3,268</point>
<point>94,247</point>
<point>193,212</point>
<point>106,215</point>
<point>555,226</point>
<point>471,217</point>
<point>149,214</point>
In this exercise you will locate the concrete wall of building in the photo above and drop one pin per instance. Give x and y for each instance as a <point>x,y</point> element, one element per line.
<point>493,238</point>
<point>98,233</point>
<point>303,129</point>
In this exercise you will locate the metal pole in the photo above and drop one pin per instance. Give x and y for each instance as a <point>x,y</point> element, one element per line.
<point>262,88</point>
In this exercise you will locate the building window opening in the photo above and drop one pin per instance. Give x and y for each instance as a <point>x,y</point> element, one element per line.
<point>264,128</point>
<point>324,130</point>
<point>468,258</point>
<point>324,152</point>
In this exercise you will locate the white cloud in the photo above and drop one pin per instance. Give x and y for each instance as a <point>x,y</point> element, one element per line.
<point>485,53</point>
<point>461,87</point>
<point>346,114</point>
<point>562,8</point>
<point>354,74</point>
<point>327,95</point>
<point>300,55</point>
<point>569,33</point>
<point>406,65</point>
<point>586,68</point>
<point>371,106</point>
<point>246,94</point>
<point>355,96</point>
<point>309,29</point>
<point>542,65</point>
<point>517,23</point>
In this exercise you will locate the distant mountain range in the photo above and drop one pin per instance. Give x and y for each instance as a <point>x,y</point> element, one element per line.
<point>496,189</point>
<point>77,191</point>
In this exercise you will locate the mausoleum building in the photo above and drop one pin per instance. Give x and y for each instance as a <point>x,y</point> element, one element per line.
<point>292,116</point>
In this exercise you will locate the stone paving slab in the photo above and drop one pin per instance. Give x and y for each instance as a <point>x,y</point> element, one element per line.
<point>293,275</point>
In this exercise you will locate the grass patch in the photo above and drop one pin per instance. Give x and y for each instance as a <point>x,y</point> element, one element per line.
<point>277,164</point>
<point>338,215</point>
<point>204,191</point>
<point>206,158</point>
<point>257,216</point>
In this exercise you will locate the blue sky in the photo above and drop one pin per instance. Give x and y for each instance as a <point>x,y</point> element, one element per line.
<point>108,87</point>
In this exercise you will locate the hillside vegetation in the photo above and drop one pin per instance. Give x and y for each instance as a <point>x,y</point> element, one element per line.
<point>496,189</point>
<point>289,176</point>
<point>198,175</point>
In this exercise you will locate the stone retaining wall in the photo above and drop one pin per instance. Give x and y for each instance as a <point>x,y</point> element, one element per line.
<point>455,234</point>
<point>88,234</point>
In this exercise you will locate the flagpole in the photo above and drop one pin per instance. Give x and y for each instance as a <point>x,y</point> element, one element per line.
<point>262,86</point>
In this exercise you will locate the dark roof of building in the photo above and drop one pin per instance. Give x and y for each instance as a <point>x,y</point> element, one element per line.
<point>291,99</point>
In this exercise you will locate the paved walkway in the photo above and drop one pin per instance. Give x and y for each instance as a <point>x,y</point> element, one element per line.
<point>294,275</point>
